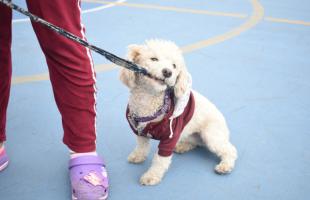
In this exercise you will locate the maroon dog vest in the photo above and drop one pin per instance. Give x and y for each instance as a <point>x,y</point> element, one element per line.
<point>168,134</point>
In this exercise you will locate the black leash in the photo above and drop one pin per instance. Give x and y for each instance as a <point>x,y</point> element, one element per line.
<point>111,57</point>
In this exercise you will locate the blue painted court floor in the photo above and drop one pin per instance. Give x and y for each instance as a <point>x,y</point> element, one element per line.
<point>249,57</point>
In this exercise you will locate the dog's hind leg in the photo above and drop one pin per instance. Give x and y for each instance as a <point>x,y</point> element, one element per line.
<point>215,135</point>
<point>139,154</point>
<point>187,143</point>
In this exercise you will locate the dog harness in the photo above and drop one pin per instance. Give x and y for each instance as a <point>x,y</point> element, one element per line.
<point>169,129</point>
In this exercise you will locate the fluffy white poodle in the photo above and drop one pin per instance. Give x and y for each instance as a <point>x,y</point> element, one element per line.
<point>168,110</point>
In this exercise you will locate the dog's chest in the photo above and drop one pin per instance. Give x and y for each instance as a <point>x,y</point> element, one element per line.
<point>157,129</point>
<point>144,104</point>
<point>169,128</point>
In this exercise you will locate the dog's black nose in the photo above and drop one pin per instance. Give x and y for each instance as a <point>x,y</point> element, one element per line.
<point>167,73</point>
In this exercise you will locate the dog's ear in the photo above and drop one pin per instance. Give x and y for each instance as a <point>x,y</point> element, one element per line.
<point>182,83</point>
<point>127,77</point>
<point>134,51</point>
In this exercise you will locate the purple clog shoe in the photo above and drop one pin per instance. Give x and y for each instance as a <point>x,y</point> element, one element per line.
<point>89,179</point>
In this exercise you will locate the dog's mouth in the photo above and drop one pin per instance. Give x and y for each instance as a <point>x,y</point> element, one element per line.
<point>159,80</point>
<point>156,79</point>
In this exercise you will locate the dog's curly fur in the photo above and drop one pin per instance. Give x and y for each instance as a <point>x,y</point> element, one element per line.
<point>207,126</point>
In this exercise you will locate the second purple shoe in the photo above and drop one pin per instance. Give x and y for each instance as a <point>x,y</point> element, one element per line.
<point>4,159</point>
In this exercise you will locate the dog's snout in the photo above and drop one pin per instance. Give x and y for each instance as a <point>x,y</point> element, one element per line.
<point>167,73</point>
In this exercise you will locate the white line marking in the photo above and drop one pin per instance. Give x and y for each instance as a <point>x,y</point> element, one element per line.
<point>103,7</point>
<point>20,20</point>
<point>16,21</point>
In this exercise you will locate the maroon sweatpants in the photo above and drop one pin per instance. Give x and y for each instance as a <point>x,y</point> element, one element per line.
<point>70,67</point>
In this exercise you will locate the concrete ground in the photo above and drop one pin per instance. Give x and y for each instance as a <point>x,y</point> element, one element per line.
<point>249,57</point>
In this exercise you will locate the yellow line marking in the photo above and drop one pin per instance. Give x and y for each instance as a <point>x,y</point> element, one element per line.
<point>257,16</point>
<point>204,12</point>
<point>170,8</point>
<point>104,67</point>
<point>31,78</point>
<point>287,21</point>
<point>45,76</point>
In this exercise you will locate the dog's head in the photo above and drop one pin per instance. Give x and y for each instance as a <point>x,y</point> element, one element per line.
<point>163,59</point>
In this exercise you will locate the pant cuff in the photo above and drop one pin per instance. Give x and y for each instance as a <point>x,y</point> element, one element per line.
<point>81,148</point>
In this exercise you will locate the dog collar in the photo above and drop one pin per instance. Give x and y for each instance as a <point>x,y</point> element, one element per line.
<point>162,110</point>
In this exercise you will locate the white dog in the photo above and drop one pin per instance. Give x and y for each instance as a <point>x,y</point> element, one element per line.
<point>167,109</point>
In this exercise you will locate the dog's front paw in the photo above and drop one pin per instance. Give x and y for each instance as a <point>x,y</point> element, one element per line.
<point>224,167</point>
<point>136,157</point>
<point>149,179</point>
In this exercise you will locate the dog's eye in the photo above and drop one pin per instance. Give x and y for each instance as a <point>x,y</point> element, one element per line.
<point>154,59</point>
<point>174,66</point>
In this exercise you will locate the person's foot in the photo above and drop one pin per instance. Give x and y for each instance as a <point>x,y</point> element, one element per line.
<point>89,180</point>
<point>4,159</point>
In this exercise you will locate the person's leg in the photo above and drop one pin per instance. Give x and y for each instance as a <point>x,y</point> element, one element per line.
<point>73,80</point>
<point>5,75</point>
<point>5,65</point>
<point>71,71</point>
